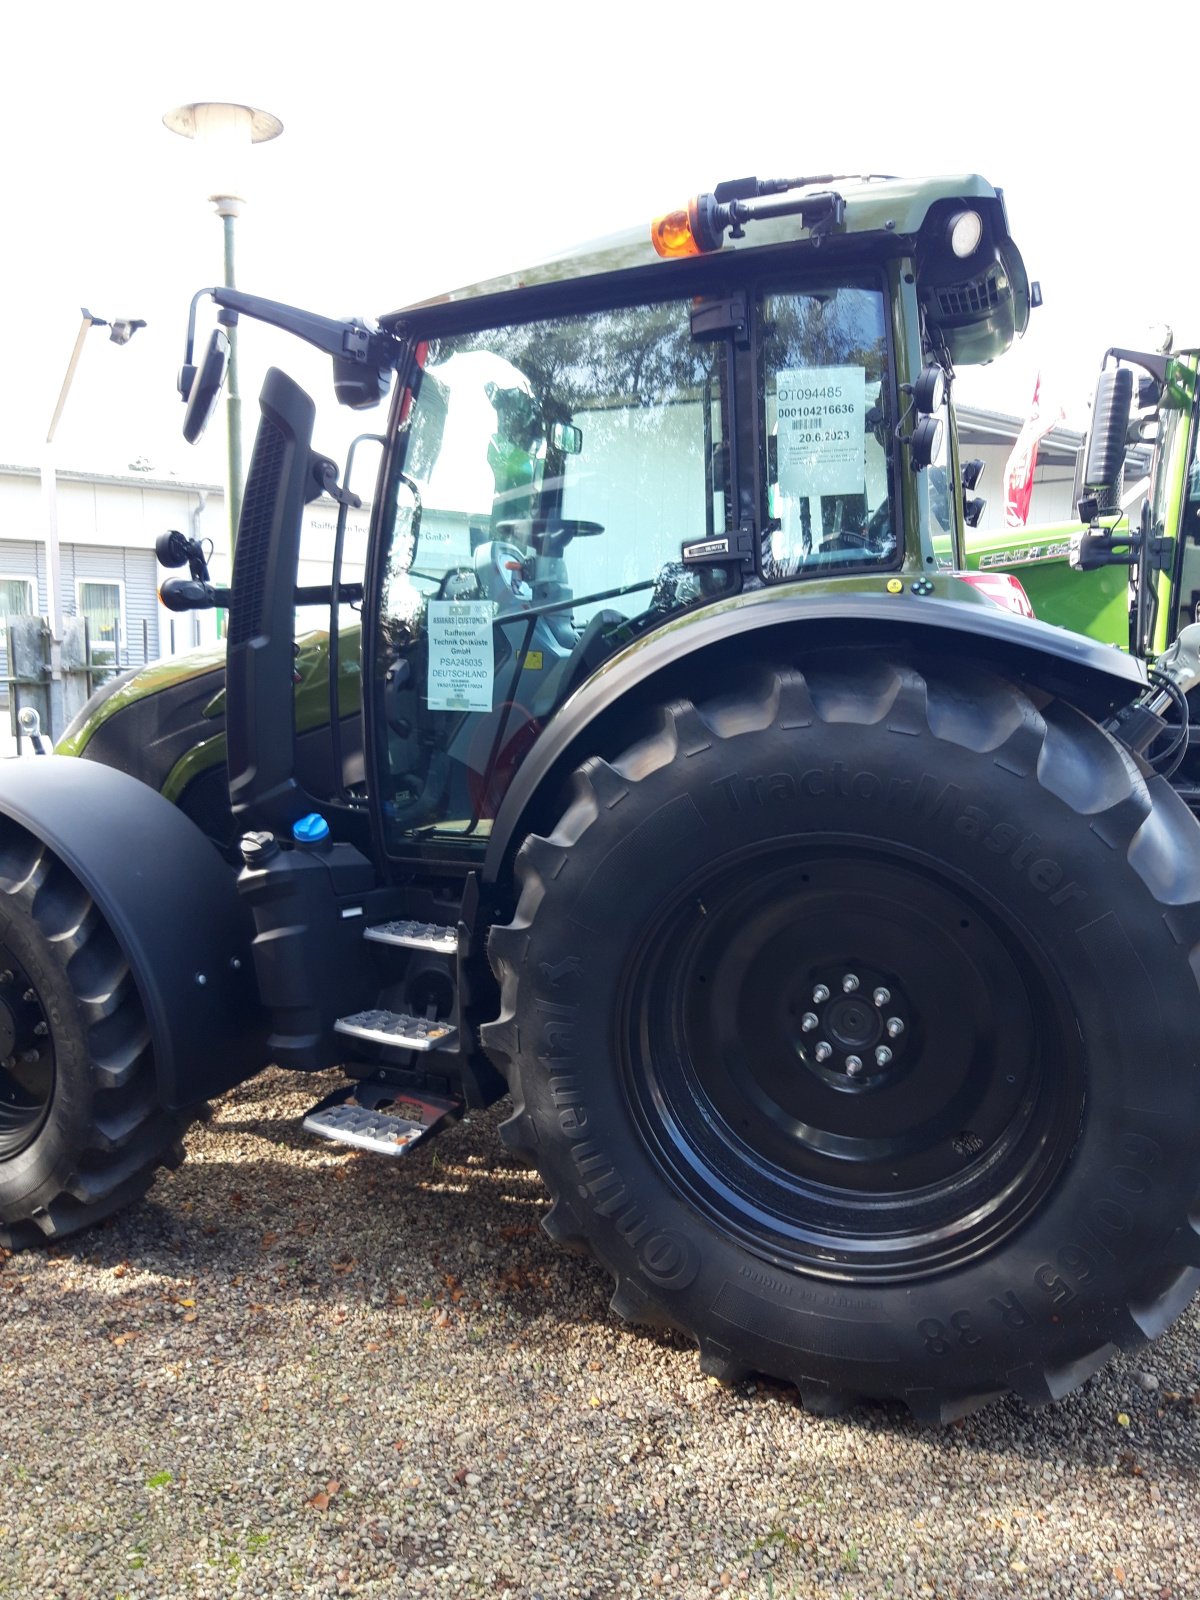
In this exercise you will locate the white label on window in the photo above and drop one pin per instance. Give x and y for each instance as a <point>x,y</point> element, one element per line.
<point>461,655</point>
<point>821,412</point>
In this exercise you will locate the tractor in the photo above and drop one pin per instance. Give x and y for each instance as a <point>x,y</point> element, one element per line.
<point>832,928</point>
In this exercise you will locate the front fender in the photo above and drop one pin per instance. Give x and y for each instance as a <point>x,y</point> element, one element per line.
<point>172,905</point>
<point>758,626</point>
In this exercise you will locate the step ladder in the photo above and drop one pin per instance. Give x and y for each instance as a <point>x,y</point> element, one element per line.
<point>397,1028</point>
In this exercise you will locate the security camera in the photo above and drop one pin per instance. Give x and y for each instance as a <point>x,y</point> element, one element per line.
<point>122,329</point>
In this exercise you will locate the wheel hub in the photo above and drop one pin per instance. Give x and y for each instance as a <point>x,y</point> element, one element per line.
<point>855,1030</point>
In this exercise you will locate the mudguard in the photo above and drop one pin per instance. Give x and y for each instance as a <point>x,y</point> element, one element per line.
<point>669,661</point>
<point>173,907</point>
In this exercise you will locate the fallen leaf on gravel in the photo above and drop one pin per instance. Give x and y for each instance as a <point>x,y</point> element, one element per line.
<point>398,1297</point>
<point>319,1502</point>
<point>372,1344</point>
<point>343,1267</point>
<point>332,1486</point>
<point>267,1240</point>
<point>595,1366</point>
<point>1119,1575</point>
<point>1123,1419</point>
<point>442,1320</point>
<point>120,1269</point>
<point>188,1316</point>
<point>461,1475</point>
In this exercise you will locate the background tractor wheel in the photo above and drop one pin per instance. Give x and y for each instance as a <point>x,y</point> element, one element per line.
<point>851,1017</point>
<point>81,1129</point>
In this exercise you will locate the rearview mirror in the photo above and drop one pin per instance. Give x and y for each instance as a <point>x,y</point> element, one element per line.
<point>1104,452</point>
<point>206,385</point>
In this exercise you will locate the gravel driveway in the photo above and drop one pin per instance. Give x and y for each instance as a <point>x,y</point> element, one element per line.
<point>296,1371</point>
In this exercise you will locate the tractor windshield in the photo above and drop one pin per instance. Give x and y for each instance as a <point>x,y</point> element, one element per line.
<point>546,479</point>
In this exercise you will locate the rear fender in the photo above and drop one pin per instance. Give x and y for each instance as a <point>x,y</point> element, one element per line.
<point>172,905</point>
<point>674,660</point>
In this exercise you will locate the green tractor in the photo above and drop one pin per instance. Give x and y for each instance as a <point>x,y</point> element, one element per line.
<point>831,927</point>
<point>1143,583</point>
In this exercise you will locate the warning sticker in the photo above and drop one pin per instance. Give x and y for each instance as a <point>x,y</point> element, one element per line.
<point>821,412</point>
<point>462,667</point>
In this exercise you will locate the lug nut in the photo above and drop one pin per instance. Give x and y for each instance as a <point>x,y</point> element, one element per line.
<point>5,976</point>
<point>820,995</point>
<point>41,1029</point>
<point>849,983</point>
<point>882,1055</point>
<point>895,1027</point>
<point>29,995</point>
<point>823,1051</point>
<point>853,1066</point>
<point>882,996</point>
<point>808,1021</point>
<point>30,1056</point>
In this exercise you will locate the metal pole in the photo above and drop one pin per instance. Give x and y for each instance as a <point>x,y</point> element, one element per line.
<point>227,209</point>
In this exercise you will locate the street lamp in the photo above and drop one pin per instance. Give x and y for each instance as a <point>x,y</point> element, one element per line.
<point>227,131</point>
<point>120,331</point>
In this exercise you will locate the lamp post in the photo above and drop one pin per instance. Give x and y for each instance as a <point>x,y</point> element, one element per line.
<point>120,331</point>
<point>227,131</point>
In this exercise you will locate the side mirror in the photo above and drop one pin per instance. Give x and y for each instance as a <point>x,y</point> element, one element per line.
<point>206,385</point>
<point>1104,453</point>
<point>567,438</point>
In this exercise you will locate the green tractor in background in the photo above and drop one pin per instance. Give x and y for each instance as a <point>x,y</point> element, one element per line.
<point>832,928</point>
<point>1143,583</point>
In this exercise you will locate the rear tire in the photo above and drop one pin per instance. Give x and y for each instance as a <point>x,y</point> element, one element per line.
<point>994,1203</point>
<point>81,1130</point>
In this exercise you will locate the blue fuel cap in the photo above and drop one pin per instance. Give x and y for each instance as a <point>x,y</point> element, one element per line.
<point>312,829</point>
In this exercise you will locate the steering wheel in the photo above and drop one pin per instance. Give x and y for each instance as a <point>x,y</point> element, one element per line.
<point>549,536</point>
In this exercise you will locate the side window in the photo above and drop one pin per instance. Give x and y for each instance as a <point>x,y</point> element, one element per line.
<point>549,474</point>
<point>826,419</point>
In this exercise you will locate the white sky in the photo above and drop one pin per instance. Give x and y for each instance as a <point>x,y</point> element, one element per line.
<point>427,148</point>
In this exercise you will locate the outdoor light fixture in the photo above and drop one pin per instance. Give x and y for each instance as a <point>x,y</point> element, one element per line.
<point>227,130</point>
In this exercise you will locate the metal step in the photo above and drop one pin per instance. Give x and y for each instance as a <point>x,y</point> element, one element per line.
<point>396,1028</point>
<point>415,936</point>
<point>378,1116</point>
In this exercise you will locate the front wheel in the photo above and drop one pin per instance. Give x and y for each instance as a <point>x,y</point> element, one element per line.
<point>81,1129</point>
<point>850,1019</point>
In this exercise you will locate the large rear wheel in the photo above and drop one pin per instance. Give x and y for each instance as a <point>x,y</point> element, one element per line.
<point>81,1130</point>
<point>850,1019</point>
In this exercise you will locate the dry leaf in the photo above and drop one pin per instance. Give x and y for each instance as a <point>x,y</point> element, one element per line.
<point>1119,1575</point>
<point>319,1502</point>
<point>267,1240</point>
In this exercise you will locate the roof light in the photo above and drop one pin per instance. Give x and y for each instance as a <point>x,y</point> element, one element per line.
<point>1002,589</point>
<point>965,230</point>
<point>692,230</point>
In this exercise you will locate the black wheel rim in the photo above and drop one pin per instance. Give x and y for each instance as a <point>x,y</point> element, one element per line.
<point>851,1062</point>
<point>26,1058</point>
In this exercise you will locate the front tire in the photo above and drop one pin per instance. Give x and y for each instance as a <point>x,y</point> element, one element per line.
<point>850,1018</point>
<point>81,1130</point>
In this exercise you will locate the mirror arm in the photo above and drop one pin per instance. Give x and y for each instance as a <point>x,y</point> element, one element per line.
<point>346,340</point>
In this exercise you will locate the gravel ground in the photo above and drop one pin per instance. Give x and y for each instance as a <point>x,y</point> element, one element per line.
<point>296,1371</point>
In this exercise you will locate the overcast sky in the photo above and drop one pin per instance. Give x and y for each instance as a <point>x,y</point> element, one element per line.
<point>427,148</point>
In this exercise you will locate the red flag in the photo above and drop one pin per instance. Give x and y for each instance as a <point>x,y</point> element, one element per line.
<point>1018,470</point>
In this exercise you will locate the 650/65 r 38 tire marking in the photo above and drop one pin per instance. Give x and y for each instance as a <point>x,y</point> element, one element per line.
<point>849,1017</point>
<point>81,1129</point>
